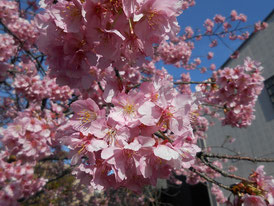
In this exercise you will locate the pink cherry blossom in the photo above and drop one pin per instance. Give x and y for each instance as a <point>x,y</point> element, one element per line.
<point>86,115</point>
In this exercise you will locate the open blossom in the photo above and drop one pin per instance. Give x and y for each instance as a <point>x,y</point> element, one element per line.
<point>189,32</point>
<point>68,15</point>
<point>258,192</point>
<point>192,178</point>
<point>32,133</point>
<point>125,109</point>
<point>185,88</point>
<point>265,184</point>
<point>86,115</point>
<point>159,15</point>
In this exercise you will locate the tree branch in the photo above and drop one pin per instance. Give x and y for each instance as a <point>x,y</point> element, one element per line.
<point>220,156</point>
<point>38,63</point>
<point>194,82</point>
<point>210,179</point>
<point>222,172</point>
<point>64,173</point>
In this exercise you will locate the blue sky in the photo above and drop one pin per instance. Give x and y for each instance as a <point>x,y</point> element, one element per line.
<point>195,16</point>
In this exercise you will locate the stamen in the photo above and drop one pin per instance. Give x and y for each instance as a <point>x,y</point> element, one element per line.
<point>154,97</point>
<point>152,18</point>
<point>111,136</point>
<point>129,109</point>
<point>87,116</point>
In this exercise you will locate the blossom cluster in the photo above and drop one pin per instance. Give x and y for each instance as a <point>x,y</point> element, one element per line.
<point>177,54</point>
<point>259,191</point>
<point>31,134</point>
<point>17,181</point>
<point>7,47</point>
<point>22,34</point>
<point>143,136</point>
<point>21,28</point>
<point>76,35</point>
<point>36,89</point>
<point>236,91</point>
<point>262,192</point>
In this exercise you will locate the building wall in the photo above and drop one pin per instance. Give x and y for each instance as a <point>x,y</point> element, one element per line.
<point>258,139</point>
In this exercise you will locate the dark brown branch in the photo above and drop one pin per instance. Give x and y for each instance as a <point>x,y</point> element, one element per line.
<point>118,75</point>
<point>162,136</point>
<point>100,86</point>
<point>220,156</point>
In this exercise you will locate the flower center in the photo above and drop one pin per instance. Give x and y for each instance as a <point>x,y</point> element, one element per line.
<point>73,11</point>
<point>129,109</point>
<point>154,97</point>
<point>87,116</point>
<point>152,18</point>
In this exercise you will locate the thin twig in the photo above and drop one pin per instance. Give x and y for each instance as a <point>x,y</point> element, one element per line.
<point>210,179</point>
<point>222,172</point>
<point>226,148</point>
<point>194,82</point>
<point>220,33</point>
<point>64,173</point>
<point>38,63</point>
